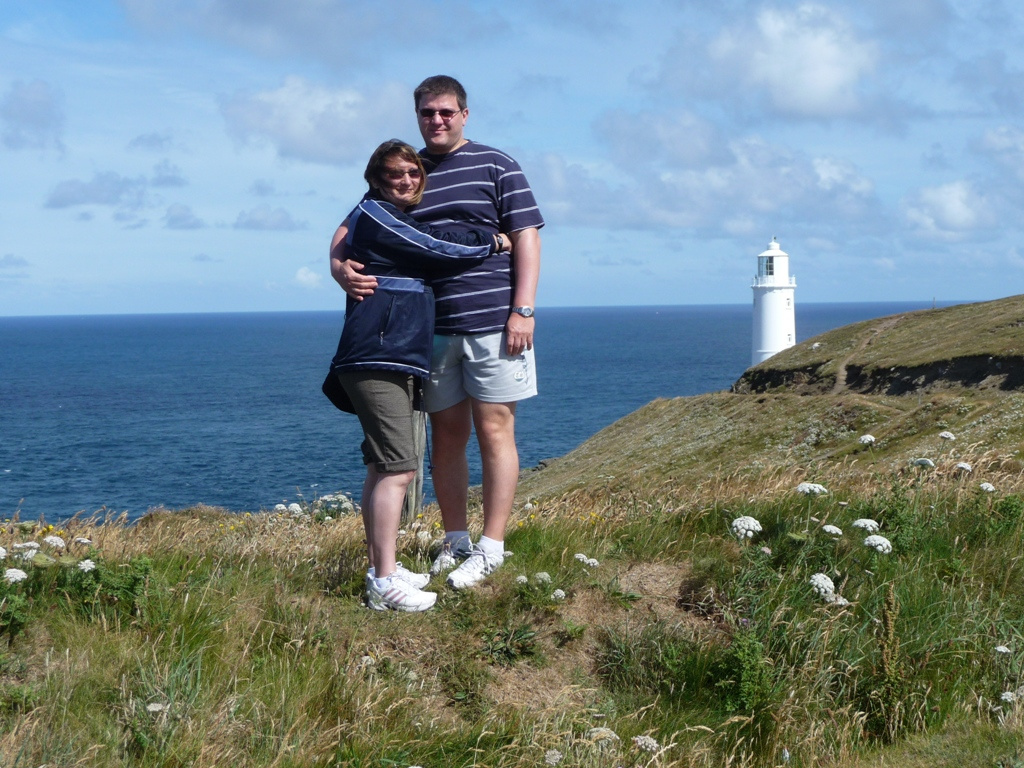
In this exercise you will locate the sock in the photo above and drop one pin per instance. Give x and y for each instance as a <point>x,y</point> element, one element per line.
<point>457,540</point>
<point>492,547</point>
<point>384,583</point>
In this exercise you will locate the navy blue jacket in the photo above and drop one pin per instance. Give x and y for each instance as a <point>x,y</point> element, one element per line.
<point>393,329</point>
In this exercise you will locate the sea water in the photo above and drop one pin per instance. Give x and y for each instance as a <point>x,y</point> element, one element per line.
<point>128,413</point>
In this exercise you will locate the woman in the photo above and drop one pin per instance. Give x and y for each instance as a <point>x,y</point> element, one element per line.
<point>385,349</point>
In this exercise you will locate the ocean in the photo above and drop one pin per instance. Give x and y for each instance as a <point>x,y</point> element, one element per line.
<point>126,413</point>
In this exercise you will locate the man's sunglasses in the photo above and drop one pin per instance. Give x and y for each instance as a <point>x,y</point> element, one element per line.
<point>446,114</point>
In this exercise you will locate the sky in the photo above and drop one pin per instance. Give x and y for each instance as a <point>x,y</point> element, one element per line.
<point>197,155</point>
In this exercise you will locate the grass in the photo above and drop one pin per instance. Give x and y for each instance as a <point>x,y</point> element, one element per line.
<point>203,638</point>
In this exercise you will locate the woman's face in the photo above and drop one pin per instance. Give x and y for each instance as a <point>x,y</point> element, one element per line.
<point>400,182</point>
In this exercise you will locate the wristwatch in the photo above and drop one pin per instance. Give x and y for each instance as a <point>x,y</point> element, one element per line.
<point>524,311</point>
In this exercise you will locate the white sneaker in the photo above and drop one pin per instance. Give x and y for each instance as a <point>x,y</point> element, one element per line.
<point>397,595</point>
<point>475,569</point>
<point>448,558</point>
<point>418,580</point>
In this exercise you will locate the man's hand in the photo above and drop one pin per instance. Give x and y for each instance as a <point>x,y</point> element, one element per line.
<point>347,272</point>
<point>518,334</point>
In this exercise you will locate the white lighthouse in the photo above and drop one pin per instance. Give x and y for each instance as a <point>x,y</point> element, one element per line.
<point>774,313</point>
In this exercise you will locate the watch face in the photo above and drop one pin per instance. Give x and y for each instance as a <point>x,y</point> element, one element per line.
<point>524,311</point>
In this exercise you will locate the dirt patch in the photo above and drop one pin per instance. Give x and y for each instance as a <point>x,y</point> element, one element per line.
<point>566,679</point>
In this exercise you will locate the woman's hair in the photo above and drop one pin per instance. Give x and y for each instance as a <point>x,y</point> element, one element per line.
<point>375,169</point>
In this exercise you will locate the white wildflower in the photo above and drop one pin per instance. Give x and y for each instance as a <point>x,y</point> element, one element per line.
<point>294,508</point>
<point>811,489</point>
<point>3,553</point>
<point>766,550</point>
<point>947,435</point>
<point>1003,649</point>
<point>832,530</point>
<point>54,541</point>
<point>520,579</point>
<point>963,466</point>
<point>14,575</point>
<point>156,707</point>
<point>552,757</point>
<point>600,733</point>
<point>646,744</point>
<point>878,543</point>
<point>822,584</point>
<point>866,439</point>
<point>23,545</point>
<point>423,536</point>
<point>558,595</point>
<point>542,577</point>
<point>280,508</point>
<point>83,541</point>
<point>1009,696</point>
<point>987,487</point>
<point>866,524</point>
<point>581,557</point>
<point>86,565</point>
<point>745,527</point>
<point>528,506</point>
<point>839,600</point>
<point>922,462</point>
<point>593,562</point>
<point>27,556</point>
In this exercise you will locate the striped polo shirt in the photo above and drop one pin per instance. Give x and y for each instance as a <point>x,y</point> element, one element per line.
<point>476,186</point>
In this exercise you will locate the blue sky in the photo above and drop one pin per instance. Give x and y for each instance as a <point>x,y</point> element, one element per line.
<point>196,155</point>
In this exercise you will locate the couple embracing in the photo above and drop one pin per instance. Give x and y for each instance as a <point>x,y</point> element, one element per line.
<point>440,261</point>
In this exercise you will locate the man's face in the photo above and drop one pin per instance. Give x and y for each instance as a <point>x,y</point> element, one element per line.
<point>441,123</point>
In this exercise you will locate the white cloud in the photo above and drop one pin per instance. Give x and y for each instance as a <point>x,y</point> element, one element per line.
<point>153,141</point>
<point>802,62</point>
<point>1005,145</point>
<point>10,261</point>
<point>653,139</point>
<point>306,121</point>
<point>262,188</point>
<point>107,188</point>
<point>993,82</point>
<point>167,174</point>
<point>808,60</point>
<point>307,278</point>
<point>743,186</point>
<point>31,116</point>
<point>180,216</point>
<point>263,217</point>
<point>950,211</point>
<point>340,33</point>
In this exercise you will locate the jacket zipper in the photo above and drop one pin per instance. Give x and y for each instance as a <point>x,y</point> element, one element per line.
<point>386,319</point>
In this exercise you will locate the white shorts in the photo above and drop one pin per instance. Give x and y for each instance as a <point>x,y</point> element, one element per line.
<point>477,366</point>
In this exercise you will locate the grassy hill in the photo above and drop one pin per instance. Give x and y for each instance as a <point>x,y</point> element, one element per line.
<point>635,623</point>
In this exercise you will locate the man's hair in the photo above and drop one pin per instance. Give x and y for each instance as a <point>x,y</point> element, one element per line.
<point>374,173</point>
<point>440,85</point>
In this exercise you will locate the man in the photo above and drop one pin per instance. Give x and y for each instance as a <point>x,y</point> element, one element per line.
<point>483,360</point>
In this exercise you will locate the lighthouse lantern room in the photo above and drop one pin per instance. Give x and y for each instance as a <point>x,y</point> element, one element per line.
<point>774,312</point>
